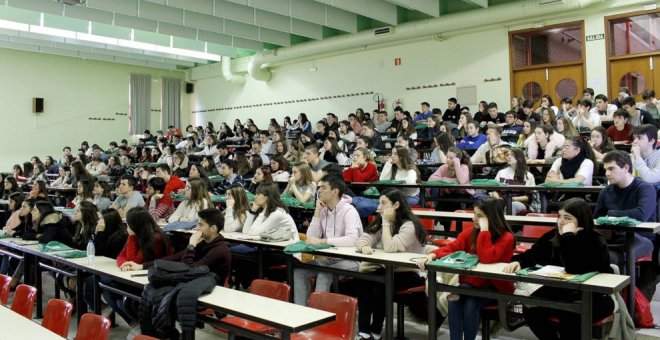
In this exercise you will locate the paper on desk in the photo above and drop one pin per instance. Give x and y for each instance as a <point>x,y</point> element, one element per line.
<point>553,272</point>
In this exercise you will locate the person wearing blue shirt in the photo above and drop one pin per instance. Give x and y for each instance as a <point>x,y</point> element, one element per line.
<point>474,139</point>
<point>425,114</point>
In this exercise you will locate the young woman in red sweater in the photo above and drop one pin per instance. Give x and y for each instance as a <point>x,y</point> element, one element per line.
<point>492,241</point>
<point>146,242</point>
<point>363,168</point>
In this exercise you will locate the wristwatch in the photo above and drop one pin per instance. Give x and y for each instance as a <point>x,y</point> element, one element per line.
<point>191,247</point>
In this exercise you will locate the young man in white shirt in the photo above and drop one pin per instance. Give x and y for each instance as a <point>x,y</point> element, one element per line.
<point>645,156</point>
<point>586,119</point>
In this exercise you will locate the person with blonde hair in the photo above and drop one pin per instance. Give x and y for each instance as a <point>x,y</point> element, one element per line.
<point>301,183</point>
<point>238,206</point>
<point>197,198</point>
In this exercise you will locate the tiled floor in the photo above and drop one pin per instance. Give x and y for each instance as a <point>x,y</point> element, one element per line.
<point>414,331</point>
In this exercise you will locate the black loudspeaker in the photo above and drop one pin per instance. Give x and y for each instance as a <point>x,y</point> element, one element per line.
<point>190,87</point>
<point>37,105</point>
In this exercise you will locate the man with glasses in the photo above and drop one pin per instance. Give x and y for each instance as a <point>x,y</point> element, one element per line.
<point>336,222</point>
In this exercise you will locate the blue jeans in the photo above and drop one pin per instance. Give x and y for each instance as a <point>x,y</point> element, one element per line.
<point>367,206</point>
<point>4,267</point>
<point>113,300</point>
<point>465,315</point>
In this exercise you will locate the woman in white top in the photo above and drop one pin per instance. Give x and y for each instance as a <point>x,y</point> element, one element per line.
<point>279,169</point>
<point>64,179</point>
<point>543,148</point>
<point>237,207</point>
<point>197,198</point>
<point>330,152</point>
<point>166,156</point>
<point>346,131</point>
<point>516,174</point>
<point>399,167</point>
<point>268,212</point>
<point>301,183</point>
<point>576,164</point>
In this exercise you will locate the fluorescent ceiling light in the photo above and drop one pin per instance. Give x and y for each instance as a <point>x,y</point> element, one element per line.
<point>12,25</point>
<point>56,32</point>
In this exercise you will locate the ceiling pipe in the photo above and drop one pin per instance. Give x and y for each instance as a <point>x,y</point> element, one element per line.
<point>228,75</point>
<point>501,14</point>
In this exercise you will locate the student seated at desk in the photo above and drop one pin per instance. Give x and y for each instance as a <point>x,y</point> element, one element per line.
<point>10,187</point>
<point>197,198</point>
<point>127,198</point>
<point>645,155</point>
<point>335,222</point>
<point>102,194</point>
<point>146,242</point>
<point>363,168</point>
<point>228,169</point>
<point>546,142</point>
<point>261,175</point>
<point>396,229</point>
<point>491,239</point>
<point>575,165</point>
<point>600,142</point>
<point>457,167</point>
<point>87,217</point>
<point>331,152</point>
<point>237,206</point>
<point>84,192</point>
<point>206,247</point>
<point>13,222</point>
<point>209,166</point>
<point>579,248</point>
<point>39,191</point>
<point>474,139</point>
<point>159,207</point>
<point>516,174</point>
<point>442,144</point>
<point>279,169</point>
<point>110,234</point>
<point>301,183</point>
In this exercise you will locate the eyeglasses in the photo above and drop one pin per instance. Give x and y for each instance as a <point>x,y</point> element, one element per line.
<point>567,147</point>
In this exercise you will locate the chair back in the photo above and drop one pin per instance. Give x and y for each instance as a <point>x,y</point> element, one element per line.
<point>535,231</point>
<point>272,289</point>
<point>5,287</point>
<point>345,309</point>
<point>427,223</point>
<point>93,327</point>
<point>466,224</point>
<point>24,298</point>
<point>58,317</point>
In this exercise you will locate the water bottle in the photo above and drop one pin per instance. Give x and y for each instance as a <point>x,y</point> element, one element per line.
<point>90,252</point>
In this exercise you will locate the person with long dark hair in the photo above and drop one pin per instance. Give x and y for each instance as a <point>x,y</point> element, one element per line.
<point>50,224</point>
<point>395,229</point>
<point>516,173</point>
<point>87,217</point>
<point>9,187</point>
<point>491,239</point>
<point>578,247</point>
<point>13,222</point>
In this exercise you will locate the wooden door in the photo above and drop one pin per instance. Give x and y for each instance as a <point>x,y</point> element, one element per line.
<point>635,73</point>
<point>556,81</point>
<point>565,81</point>
<point>530,83</point>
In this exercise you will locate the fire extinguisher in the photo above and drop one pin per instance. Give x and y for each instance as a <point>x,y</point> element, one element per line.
<point>396,104</point>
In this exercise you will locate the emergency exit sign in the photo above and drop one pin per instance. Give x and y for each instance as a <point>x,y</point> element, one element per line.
<point>594,37</point>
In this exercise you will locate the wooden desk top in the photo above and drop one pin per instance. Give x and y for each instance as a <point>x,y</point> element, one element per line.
<point>17,326</point>
<point>468,217</point>
<point>601,283</point>
<point>279,314</point>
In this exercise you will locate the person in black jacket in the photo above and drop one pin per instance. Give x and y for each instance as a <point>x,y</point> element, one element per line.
<point>87,217</point>
<point>51,225</point>
<point>110,235</point>
<point>206,247</point>
<point>579,248</point>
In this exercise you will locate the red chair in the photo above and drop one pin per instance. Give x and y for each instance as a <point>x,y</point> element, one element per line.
<point>599,328</point>
<point>343,328</point>
<point>272,289</point>
<point>58,317</point>
<point>453,227</point>
<point>5,287</point>
<point>24,298</point>
<point>93,327</point>
<point>532,231</point>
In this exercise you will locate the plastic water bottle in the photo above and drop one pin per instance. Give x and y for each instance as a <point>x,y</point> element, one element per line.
<point>90,252</point>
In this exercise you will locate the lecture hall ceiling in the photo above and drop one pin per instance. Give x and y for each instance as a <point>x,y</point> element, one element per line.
<point>180,34</point>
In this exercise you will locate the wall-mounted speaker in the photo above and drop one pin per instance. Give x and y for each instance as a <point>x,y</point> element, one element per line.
<point>37,105</point>
<point>190,88</point>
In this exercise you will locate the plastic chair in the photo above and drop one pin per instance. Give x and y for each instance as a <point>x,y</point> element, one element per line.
<point>24,298</point>
<point>5,287</point>
<point>271,289</point>
<point>532,231</point>
<point>58,317</point>
<point>93,327</point>
<point>453,227</point>
<point>343,328</point>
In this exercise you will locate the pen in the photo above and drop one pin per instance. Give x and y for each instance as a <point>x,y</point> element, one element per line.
<point>139,275</point>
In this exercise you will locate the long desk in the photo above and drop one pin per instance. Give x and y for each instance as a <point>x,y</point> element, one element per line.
<point>16,326</point>
<point>650,227</point>
<point>601,283</point>
<point>221,299</point>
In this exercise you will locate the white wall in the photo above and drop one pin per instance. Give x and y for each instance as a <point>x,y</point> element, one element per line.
<point>465,59</point>
<point>423,63</point>
<point>73,90</point>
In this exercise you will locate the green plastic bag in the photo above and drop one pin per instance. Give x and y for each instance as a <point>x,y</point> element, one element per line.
<point>610,220</point>
<point>440,183</point>
<point>291,201</point>
<point>73,254</point>
<point>421,126</point>
<point>302,247</point>
<point>372,191</point>
<point>3,235</point>
<point>459,259</point>
<point>577,278</point>
<point>489,182</point>
<point>390,181</point>
<point>53,246</point>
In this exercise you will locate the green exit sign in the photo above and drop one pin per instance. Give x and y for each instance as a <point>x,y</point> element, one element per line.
<point>595,37</point>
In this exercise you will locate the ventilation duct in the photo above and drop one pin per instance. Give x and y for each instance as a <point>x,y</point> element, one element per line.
<point>511,12</point>
<point>228,75</point>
